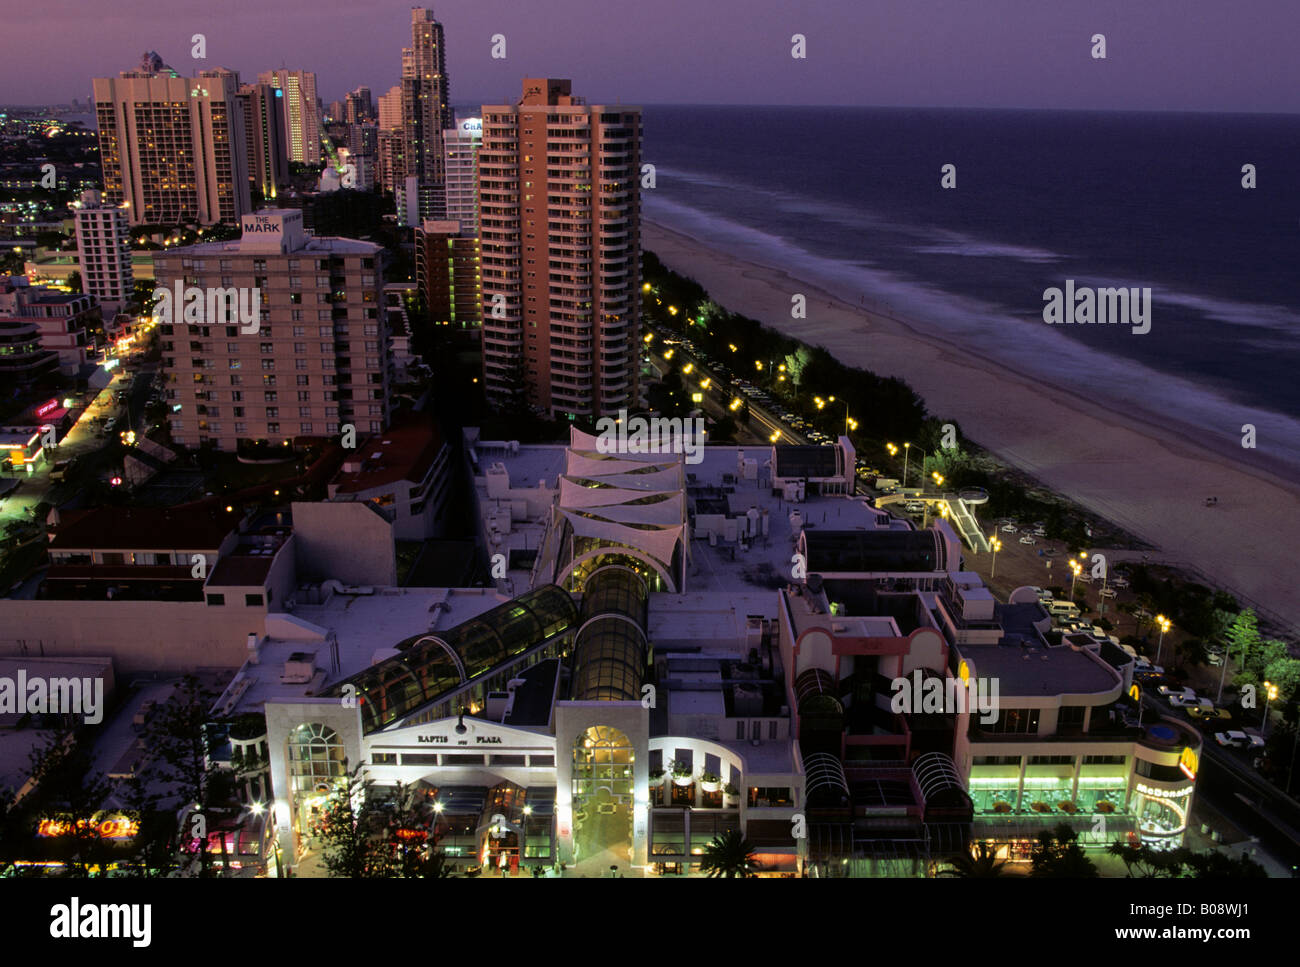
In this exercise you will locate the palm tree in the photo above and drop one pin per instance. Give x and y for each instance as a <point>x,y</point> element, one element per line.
<point>980,862</point>
<point>729,855</point>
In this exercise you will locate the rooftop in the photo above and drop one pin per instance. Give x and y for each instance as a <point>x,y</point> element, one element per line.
<point>1027,670</point>
<point>367,627</point>
<point>403,452</point>
<point>142,528</point>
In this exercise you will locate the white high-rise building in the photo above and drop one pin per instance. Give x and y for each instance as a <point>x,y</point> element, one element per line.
<point>173,148</point>
<point>104,253</point>
<point>460,158</point>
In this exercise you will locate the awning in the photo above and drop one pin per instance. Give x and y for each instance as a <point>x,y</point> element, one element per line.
<point>776,862</point>
<point>1007,828</point>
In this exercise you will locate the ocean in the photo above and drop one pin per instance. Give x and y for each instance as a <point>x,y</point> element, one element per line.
<point>850,199</point>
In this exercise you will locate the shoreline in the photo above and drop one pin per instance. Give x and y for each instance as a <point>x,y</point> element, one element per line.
<point>1145,475</point>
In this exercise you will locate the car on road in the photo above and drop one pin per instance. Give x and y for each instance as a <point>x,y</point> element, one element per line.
<point>914,507</point>
<point>1144,666</point>
<point>110,425</point>
<point>1210,714</point>
<point>1170,691</point>
<point>1239,740</point>
<point>1183,702</point>
<point>1028,540</point>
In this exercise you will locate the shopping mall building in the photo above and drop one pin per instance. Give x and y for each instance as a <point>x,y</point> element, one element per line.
<point>632,690</point>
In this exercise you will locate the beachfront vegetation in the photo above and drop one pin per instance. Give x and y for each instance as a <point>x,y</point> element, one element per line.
<point>894,408</point>
<point>834,397</point>
<point>1146,862</point>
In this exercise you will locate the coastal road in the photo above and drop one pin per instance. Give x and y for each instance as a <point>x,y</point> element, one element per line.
<point>766,422</point>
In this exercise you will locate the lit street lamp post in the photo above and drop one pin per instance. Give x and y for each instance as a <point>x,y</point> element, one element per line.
<point>1270,692</point>
<point>996,544</point>
<point>1164,624</point>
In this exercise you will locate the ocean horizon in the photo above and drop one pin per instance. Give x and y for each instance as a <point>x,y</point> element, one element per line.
<point>849,199</point>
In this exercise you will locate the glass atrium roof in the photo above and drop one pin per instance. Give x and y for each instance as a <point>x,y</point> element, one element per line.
<point>438,663</point>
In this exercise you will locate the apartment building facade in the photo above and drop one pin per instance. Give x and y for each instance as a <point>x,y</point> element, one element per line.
<point>425,110</point>
<point>264,135</point>
<point>559,210</point>
<point>447,272</point>
<point>302,121</point>
<point>173,149</point>
<point>460,158</point>
<point>319,359</point>
<point>104,252</point>
<point>67,325</point>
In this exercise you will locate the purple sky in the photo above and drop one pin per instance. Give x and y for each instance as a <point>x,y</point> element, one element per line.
<point>1200,55</point>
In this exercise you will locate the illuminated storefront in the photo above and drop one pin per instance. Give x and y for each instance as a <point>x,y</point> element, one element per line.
<point>21,448</point>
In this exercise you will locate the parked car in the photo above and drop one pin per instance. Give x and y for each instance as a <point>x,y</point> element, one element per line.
<point>1183,702</point>
<point>1239,740</point>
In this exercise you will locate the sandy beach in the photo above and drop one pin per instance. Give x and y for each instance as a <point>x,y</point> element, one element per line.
<point>1143,477</point>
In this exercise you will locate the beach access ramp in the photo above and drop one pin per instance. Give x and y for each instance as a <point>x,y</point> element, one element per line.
<point>969,528</point>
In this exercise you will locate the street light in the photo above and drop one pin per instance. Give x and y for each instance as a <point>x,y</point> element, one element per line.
<point>1076,569</point>
<point>1165,625</point>
<point>907,453</point>
<point>1270,692</point>
<point>996,544</point>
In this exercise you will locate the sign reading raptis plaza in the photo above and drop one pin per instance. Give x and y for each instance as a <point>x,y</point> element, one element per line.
<point>918,694</point>
<point>446,740</point>
<point>657,435</point>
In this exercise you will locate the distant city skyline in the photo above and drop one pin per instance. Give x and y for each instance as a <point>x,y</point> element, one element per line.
<point>1202,56</point>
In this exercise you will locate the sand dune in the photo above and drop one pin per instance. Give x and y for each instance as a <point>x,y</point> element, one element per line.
<point>1141,476</point>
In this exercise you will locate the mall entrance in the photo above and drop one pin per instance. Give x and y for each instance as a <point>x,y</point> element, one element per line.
<point>602,798</point>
